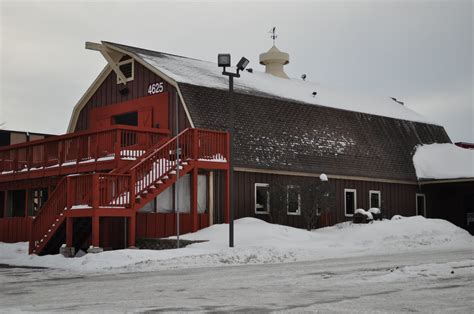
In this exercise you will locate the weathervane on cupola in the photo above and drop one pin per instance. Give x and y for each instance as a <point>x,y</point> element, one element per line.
<point>273,34</point>
<point>274,59</point>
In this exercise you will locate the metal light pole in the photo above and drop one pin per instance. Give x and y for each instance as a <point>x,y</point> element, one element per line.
<point>223,60</point>
<point>177,153</point>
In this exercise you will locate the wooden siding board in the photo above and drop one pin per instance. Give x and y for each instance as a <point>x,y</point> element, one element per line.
<point>108,94</point>
<point>395,197</point>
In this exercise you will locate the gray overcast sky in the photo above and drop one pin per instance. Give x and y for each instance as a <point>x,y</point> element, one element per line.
<point>418,51</point>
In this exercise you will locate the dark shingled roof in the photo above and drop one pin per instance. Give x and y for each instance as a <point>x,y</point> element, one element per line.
<point>277,133</point>
<point>281,135</point>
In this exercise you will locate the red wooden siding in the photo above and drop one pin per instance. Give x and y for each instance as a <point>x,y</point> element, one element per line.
<point>159,225</point>
<point>396,198</point>
<point>108,94</point>
<point>15,229</point>
<point>152,110</point>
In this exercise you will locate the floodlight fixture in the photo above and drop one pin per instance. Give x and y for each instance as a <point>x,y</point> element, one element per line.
<point>242,63</point>
<point>223,60</point>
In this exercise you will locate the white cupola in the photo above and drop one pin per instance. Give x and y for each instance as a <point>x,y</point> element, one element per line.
<point>274,60</point>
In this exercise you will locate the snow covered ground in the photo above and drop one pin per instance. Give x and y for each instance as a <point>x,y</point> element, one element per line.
<point>439,281</point>
<point>258,242</point>
<point>402,265</point>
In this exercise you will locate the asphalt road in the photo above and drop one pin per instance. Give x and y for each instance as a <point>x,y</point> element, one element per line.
<point>425,282</point>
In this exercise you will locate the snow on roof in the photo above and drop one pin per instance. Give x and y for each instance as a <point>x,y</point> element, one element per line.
<point>208,74</point>
<point>443,161</point>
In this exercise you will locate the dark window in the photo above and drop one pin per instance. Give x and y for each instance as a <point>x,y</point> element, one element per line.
<point>294,200</point>
<point>374,199</point>
<point>126,67</point>
<point>4,138</point>
<point>421,205</point>
<point>262,198</point>
<point>36,200</point>
<point>16,203</point>
<point>2,204</point>
<point>350,201</point>
<point>130,118</point>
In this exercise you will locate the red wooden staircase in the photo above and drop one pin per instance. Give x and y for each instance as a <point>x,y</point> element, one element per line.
<point>125,189</point>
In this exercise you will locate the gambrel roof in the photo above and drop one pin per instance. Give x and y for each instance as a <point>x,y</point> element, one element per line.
<point>207,74</point>
<point>281,126</point>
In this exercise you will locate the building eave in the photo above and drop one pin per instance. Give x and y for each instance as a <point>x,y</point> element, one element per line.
<point>441,181</point>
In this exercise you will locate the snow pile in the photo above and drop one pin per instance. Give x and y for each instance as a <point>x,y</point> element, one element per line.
<point>259,242</point>
<point>374,211</point>
<point>443,161</point>
<point>208,74</point>
<point>367,214</point>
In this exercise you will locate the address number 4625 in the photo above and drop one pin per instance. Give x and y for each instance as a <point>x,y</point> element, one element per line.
<point>155,88</point>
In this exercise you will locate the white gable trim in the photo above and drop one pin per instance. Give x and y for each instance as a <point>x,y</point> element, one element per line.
<point>165,77</point>
<point>85,98</point>
<point>103,75</point>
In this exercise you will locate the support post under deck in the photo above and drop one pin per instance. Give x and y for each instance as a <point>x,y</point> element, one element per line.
<point>69,231</point>
<point>95,231</point>
<point>194,199</point>
<point>132,230</point>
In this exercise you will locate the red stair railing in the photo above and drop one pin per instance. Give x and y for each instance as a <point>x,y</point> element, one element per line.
<point>113,190</point>
<point>74,192</point>
<point>158,164</point>
<point>49,214</point>
<point>194,144</point>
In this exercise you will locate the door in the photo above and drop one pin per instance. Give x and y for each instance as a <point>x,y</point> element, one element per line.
<point>421,205</point>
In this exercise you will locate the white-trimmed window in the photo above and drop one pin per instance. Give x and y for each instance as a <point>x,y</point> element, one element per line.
<point>293,200</point>
<point>350,202</point>
<point>262,198</point>
<point>375,199</point>
<point>420,204</point>
<point>127,67</point>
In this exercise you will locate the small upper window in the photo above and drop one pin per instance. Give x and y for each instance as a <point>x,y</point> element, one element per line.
<point>293,197</point>
<point>375,199</point>
<point>262,198</point>
<point>127,68</point>
<point>350,201</point>
<point>129,118</point>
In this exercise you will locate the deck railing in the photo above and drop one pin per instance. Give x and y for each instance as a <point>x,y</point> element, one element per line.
<point>121,142</point>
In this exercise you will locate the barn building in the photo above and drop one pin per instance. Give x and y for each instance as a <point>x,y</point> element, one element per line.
<point>113,177</point>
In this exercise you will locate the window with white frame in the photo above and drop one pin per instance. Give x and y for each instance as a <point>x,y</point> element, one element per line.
<point>262,198</point>
<point>127,68</point>
<point>350,202</point>
<point>293,200</point>
<point>420,204</point>
<point>375,199</point>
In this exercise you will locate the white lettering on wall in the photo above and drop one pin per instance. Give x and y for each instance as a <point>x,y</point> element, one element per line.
<point>155,88</point>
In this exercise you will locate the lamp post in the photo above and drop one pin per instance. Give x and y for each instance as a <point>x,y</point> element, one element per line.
<point>224,61</point>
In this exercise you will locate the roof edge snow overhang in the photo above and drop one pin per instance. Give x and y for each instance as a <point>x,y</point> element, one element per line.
<point>106,71</point>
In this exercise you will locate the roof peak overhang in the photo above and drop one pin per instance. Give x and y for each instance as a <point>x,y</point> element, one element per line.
<point>112,54</point>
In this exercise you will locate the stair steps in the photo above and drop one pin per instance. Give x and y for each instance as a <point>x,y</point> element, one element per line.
<point>157,165</point>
